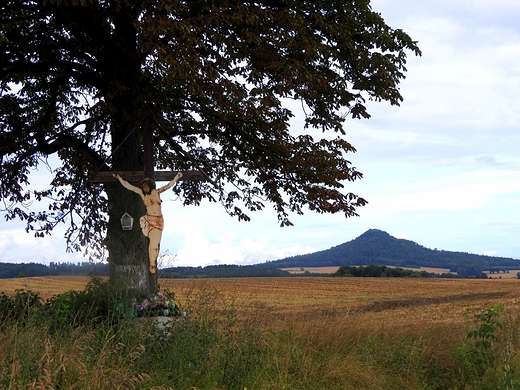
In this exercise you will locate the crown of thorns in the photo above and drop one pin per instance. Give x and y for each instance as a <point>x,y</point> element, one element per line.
<point>149,181</point>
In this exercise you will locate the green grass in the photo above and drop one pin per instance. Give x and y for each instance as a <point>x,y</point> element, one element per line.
<point>76,341</point>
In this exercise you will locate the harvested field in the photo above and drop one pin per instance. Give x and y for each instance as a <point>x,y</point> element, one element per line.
<point>437,299</point>
<point>364,301</point>
<point>46,286</point>
<point>510,274</point>
<point>301,332</point>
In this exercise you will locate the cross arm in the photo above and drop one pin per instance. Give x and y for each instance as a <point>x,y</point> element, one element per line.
<point>106,176</point>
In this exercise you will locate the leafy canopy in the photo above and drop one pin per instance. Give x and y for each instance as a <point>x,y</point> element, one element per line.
<point>78,77</point>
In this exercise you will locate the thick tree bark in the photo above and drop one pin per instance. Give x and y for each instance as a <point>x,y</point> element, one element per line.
<point>128,249</point>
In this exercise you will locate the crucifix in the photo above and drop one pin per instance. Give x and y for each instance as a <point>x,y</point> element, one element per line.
<point>152,222</point>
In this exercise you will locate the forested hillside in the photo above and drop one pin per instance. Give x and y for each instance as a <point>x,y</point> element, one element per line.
<point>378,247</point>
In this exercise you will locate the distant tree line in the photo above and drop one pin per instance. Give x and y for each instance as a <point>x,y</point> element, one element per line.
<point>379,271</point>
<point>221,271</point>
<point>84,268</point>
<point>11,270</point>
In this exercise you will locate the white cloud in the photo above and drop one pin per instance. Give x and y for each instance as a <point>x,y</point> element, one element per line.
<point>490,253</point>
<point>458,191</point>
<point>401,235</point>
<point>228,249</point>
<point>17,246</point>
<point>231,249</point>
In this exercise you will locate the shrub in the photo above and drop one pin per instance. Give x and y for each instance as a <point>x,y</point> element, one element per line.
<point>98,303</point>
<point>489,352</point>
<point>20,306</point>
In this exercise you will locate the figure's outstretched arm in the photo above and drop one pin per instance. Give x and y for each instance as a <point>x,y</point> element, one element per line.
<point>171,183</point>
<point>127,185</point>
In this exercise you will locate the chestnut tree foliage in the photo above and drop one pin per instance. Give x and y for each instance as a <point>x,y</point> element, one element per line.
<point>78,78</point>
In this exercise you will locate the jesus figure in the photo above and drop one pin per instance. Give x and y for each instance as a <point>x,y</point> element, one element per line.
<point>153,222</point>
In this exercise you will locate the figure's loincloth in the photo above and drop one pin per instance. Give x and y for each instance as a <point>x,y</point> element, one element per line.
<point>150,222</point>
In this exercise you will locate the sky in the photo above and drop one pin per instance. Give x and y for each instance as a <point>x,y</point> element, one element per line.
<point>442,170</point>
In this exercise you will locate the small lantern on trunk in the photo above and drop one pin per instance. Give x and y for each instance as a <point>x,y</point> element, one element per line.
<point>127,222</point>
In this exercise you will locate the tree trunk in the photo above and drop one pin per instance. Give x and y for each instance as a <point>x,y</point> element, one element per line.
<point>128,249</point>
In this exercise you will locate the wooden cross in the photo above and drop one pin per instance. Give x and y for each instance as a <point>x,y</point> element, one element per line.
<point>105,177</point>
<point>149,171</point>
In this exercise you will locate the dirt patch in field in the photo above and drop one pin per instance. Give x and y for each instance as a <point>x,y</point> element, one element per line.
<point>383,305</point>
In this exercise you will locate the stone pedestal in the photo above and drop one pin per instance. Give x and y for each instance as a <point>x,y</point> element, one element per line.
<point>161,325</point>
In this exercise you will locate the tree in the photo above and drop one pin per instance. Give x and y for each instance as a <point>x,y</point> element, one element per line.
<point>80,77</point>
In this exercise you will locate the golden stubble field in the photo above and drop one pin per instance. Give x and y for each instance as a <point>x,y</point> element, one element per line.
<point>370,303</point>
